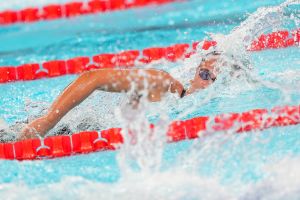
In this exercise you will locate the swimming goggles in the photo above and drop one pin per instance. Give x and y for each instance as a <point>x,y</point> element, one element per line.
<point>206,75</point>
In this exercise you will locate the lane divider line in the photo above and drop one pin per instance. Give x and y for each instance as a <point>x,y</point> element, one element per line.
<point>111,139</point>
<point>131,58</point>
<point>71,9</point>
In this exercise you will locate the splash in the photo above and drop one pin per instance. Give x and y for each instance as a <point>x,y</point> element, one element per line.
<point>158,186</point>
<point>235,47</point>
<point>213,155</point>
<point>217,166</point>
<point>282,181</point>
<point>264,19</point>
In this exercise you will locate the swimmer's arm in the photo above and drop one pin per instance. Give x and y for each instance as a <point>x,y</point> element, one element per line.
<point>155,82</point>
<point>72,95</point>
<point>111,80</point>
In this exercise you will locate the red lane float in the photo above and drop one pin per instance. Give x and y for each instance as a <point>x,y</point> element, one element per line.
<point>130,58</point>
<point>280,39</point>
<point>92,141</point>
<point>71,9</point>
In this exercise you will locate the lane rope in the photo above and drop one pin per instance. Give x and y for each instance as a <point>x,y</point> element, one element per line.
<point>71,9</point>
<point>91,141</point>
<point>131,58</point>
<point>111,139</point>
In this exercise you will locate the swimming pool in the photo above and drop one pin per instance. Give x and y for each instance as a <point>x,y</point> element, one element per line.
<point>248,166</point>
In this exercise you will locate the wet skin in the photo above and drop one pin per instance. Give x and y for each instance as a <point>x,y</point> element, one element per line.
<point>197,83</point>
<point>156,83</point>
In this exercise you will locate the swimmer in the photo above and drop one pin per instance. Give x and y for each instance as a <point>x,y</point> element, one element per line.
<point>152,84</point>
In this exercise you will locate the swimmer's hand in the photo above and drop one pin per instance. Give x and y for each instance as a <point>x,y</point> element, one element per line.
<point>27,133</point>
<point>34,129</point>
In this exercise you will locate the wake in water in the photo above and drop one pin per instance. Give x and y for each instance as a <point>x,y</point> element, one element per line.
<point>240,164</point>
<point>218,165</point>
<point>235,53</point>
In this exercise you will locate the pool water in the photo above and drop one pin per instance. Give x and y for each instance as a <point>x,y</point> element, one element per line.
<point>256,165</point>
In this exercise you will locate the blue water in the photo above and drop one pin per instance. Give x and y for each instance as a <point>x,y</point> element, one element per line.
<point>230,160</point>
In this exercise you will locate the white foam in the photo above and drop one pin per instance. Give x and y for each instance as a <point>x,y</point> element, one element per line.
<point>280,180</point>
<point>138,186</point>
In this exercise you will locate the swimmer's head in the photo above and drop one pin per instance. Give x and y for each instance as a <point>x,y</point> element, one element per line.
<point>205,73</point>
<point>209,68</point>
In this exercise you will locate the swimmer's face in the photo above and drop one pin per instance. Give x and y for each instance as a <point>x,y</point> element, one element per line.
<point>205,74</point>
